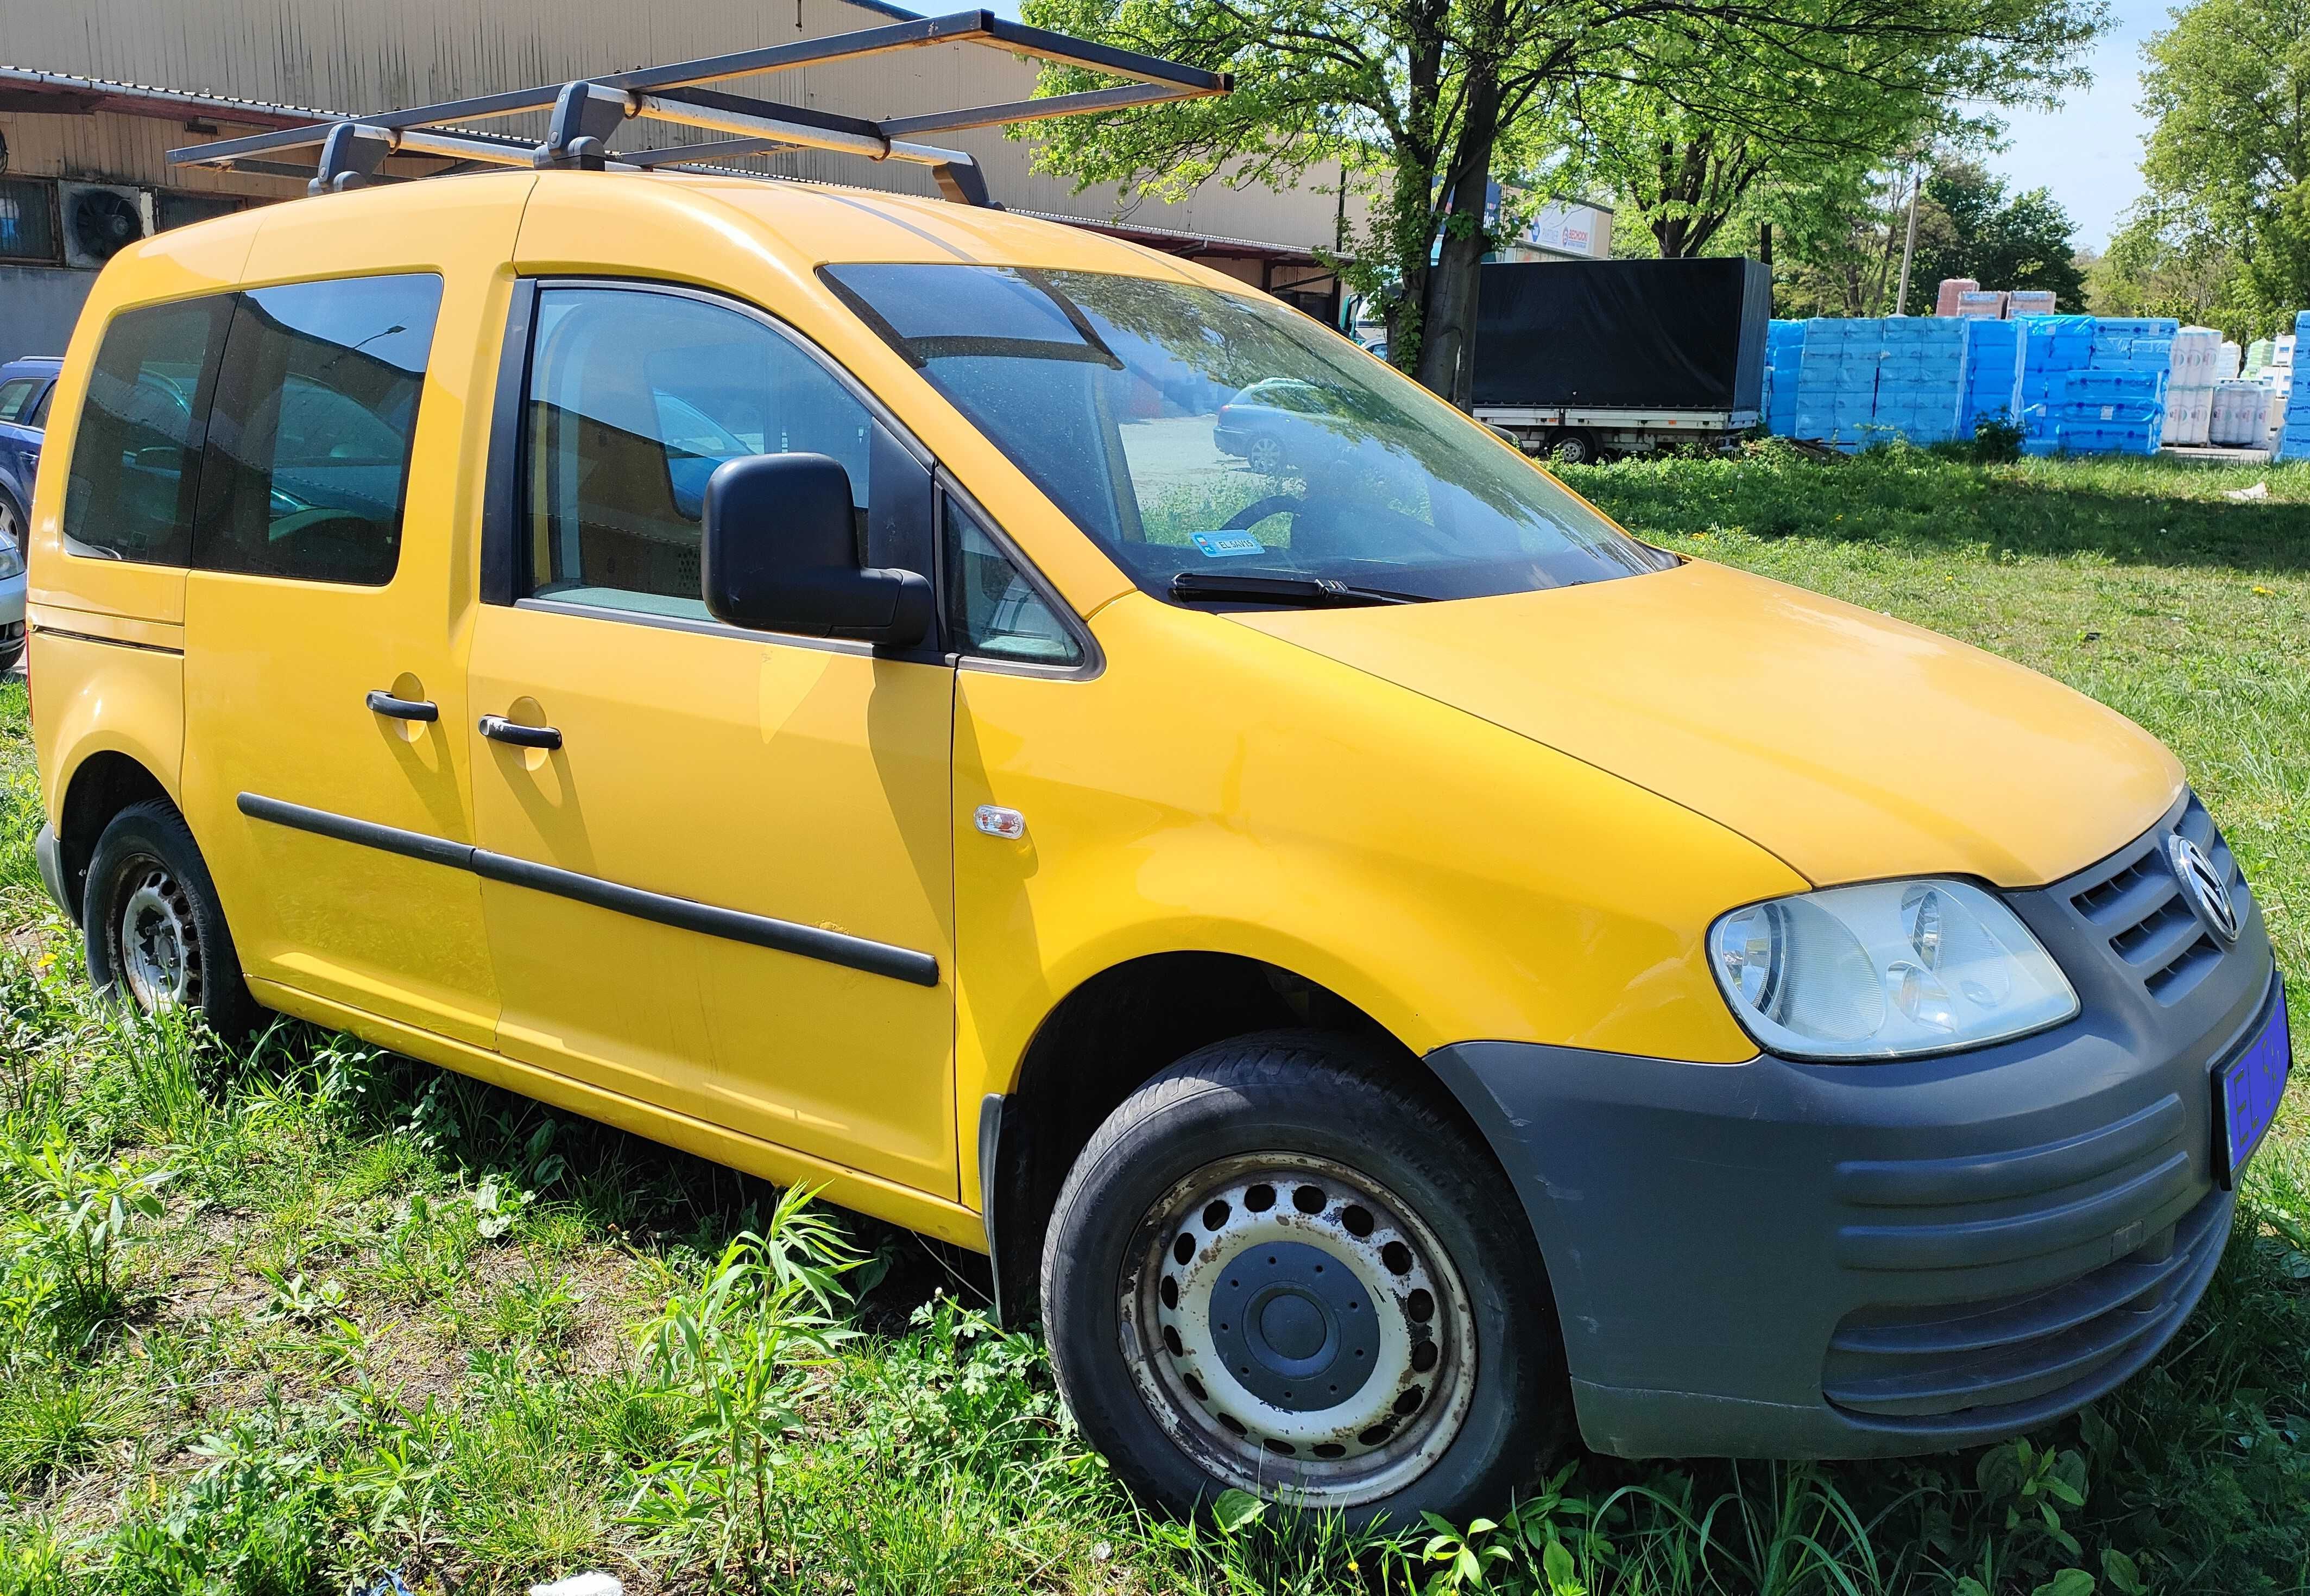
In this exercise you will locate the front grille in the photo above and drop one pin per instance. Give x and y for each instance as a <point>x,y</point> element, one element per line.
<point>1925,1363</point>
<point>2134,902</point>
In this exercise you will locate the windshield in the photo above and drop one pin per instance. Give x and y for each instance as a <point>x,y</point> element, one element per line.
<point>1192,432</point>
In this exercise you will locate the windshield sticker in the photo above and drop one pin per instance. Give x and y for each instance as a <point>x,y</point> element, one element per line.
<point>1228,545</point>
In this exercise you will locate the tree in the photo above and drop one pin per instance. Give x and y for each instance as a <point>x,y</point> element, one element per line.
<point>2227,160</point>
<point>1696,157</point>
<point>1430,100</point>
<point>2159,264</point>
<point>1969,226</point>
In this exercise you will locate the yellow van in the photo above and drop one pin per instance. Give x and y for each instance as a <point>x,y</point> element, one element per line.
<point>1390,965</point>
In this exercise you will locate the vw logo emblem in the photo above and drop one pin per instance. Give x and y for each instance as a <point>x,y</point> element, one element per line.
<point>2208,893</point>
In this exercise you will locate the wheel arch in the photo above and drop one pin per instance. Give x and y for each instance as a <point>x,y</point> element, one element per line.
<point>104,782</point>
<point>1108,1035</point>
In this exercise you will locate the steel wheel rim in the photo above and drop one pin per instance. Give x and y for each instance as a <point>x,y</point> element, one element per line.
<point>1260,1367</point>
<point>158,942</point>
<point>1572,451</point>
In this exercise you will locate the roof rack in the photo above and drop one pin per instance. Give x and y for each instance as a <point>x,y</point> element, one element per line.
<point>586,113</point>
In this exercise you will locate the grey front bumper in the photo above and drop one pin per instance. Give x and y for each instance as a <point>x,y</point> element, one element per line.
<point>1778,1259</point>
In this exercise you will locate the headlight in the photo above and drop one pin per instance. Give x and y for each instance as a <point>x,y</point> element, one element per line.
<point>11,564</point>
<point>1890,970</point>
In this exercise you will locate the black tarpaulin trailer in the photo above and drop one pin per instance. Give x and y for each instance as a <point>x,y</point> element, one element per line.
<point>1581,358</point>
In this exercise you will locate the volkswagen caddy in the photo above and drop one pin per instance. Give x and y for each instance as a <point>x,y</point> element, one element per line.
<point>1390,967</point>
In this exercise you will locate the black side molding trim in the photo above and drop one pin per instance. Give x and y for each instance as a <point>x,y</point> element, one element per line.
<point>58,631</point>
<point>760,931</point>
<point>389,840</point>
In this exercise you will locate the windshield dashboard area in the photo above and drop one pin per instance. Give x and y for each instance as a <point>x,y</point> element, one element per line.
<point>1233,443</point>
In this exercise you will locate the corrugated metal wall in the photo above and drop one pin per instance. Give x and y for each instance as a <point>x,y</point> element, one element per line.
<point>357,56</point>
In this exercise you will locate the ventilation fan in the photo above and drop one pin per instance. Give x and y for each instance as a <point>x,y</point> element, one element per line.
<point>101,219</point>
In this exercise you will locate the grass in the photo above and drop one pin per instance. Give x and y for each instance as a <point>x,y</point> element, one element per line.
<point>357,1315</point>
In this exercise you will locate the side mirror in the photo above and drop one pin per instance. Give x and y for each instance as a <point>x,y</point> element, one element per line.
<point>781,555</point>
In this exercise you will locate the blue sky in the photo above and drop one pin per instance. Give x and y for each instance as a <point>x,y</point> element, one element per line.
<point>2088,152</point>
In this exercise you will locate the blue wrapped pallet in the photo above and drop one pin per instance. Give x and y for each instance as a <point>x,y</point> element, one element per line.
<point>1993,374</point>
<point>1783,349</point>
<point>1837,381</point>
<point>2294,436</point>
<point>2093,384</point>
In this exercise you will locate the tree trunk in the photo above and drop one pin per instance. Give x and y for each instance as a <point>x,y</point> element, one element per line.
<point>1448,364</point>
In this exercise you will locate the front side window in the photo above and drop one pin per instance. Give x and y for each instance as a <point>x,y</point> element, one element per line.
<point>1192,432</point>
<point>15,395</point>
<point>307,465</point>
<point>992,609</point>
<point>135,460</point>
<point>635,398</point>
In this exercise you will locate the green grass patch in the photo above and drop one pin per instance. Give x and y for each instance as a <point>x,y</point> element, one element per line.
<point>357,1314</point>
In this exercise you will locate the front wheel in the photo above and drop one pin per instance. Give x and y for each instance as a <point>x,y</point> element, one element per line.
<point>1277,1270</point>
<point>156,935</point>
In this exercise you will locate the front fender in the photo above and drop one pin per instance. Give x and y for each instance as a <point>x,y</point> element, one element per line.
<point>1451,878</point>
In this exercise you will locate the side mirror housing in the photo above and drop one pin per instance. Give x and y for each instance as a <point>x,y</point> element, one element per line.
<point>781,555</point>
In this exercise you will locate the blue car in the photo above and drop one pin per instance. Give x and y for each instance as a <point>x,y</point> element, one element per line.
<point>25,388</point>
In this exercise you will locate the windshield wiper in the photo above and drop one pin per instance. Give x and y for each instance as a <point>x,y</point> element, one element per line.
<point>1311,593</point>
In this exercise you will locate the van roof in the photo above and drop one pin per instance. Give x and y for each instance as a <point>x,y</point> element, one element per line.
<point>816,223</point>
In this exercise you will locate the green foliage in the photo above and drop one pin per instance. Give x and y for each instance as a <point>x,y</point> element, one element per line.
<point>1703,146</point>
<point>2227,162</point>
<point>740,1345</point>
<point>72,1220</point>
<point>1969,226</point>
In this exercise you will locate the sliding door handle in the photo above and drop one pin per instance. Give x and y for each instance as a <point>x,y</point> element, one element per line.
<point>498,729</point>
<point>393,708</point>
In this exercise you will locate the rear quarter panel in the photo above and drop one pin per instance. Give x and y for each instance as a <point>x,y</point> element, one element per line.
<point>93,697</point>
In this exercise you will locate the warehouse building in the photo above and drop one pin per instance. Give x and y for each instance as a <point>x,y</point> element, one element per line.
<point>100,90</point>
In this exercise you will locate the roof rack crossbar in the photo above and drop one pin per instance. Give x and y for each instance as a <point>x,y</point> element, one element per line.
<point>586,113</point>
<point>1030,110</point>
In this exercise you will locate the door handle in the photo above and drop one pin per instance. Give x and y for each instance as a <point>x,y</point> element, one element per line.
<point>498,729</point>
<point>393,708</point>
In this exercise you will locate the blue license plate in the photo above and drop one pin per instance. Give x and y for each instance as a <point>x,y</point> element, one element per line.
<point>2247,1089</point>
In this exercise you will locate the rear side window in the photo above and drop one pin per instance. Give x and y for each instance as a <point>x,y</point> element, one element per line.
<point>14,396</point>
<point>635,397</point>
<point>135,461</point>
<point>308,462</point>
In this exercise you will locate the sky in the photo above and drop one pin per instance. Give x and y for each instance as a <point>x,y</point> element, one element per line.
<point>2088,152</point>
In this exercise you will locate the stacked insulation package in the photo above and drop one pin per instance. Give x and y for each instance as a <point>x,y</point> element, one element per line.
<point>2190,385</point>
<point>2239,415</point>
<point>2094,385</point>
<point>2294,436</point>
<point>1921,378</point>
<point>1784,350</point>
<point>1837,381</point>
<point>1993,375</point>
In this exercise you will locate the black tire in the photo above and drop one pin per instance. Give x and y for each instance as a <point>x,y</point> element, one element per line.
<point>149,850</point>
<point>15,525</point>
<point>1342,1113</point>
<point>1573,446</point>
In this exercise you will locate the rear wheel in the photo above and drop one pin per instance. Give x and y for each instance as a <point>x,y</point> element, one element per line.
<point>1264,454</point>
<point>156,936</point>
<point>1572,446</point>
<point>1276,1269</point>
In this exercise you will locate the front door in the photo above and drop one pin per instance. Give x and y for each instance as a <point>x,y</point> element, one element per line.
<point>324,698</point>
<point>716,864</point>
